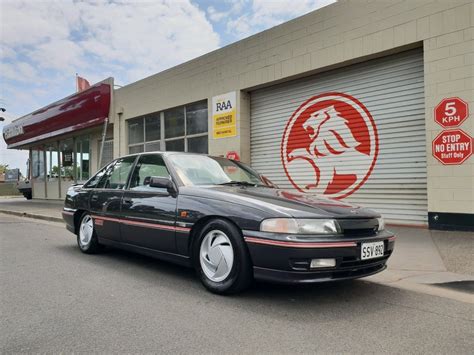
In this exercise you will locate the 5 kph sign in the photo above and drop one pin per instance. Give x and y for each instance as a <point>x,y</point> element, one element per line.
<point>452,147</point>
<point>451,112</point>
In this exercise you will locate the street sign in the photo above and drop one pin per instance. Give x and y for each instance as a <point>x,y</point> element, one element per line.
<point>451,112</point>
<point>452,147</point>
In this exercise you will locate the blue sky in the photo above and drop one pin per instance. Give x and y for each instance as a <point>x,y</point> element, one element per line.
<point>44,43</point>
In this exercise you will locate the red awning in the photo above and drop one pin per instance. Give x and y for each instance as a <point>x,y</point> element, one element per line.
<point>82,110</point>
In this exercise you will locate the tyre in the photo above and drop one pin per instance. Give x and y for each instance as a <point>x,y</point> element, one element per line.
<point>221,258</point>
<point>86,235</point>
<point>28,195</point>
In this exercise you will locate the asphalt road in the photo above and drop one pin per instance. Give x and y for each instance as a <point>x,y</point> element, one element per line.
<point>56,299</point>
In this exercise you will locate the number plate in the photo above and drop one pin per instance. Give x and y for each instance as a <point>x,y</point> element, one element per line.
<point>371,250</point>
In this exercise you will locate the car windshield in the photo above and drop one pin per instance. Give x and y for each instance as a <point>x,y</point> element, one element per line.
<point>205,170</point>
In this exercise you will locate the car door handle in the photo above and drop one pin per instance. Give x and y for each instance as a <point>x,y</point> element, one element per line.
<point>127,200</point>
<point>94,197</point>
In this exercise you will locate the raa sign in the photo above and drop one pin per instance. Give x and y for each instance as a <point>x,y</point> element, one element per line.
<point>451,112</point>
<point>224,115</point>
<point>452,147</point>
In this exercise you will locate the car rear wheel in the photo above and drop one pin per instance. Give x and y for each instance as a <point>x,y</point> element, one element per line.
<point>222,259</point>
<point>86,235</point>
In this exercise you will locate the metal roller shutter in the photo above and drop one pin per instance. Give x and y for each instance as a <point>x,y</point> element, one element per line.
<point>330,145</point>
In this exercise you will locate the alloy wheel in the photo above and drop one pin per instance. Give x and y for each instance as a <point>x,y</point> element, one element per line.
<point>86,230</point>
<point>216,256</point>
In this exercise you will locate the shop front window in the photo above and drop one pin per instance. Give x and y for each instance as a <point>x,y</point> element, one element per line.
<point>187,128</point>
<point>196,128</point>
<point>67,160</point>
<point>174,122</point>
<point>152,127</point>
<point>198,144</point>
<point>196,118</point>
<point>136,149</point>
<point>82,160</point>
<point>175,145</point>
<point>52,162</point>
<point>37,164</point>
<point>135,131</point>
<point>152,132</point>
<point>182,129</point>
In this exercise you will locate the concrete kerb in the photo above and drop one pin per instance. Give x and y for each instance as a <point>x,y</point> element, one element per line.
<point>32,215</point>
<point>432,290</point>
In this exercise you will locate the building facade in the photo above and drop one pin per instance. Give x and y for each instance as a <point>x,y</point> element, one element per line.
<point>64,139</point>
<point>363,102</point>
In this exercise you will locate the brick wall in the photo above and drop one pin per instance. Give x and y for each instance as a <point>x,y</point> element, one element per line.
<point>449,72</point>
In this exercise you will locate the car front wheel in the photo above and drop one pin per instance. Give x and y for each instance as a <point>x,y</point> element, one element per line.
<point>86,235</point>
<point>222,259</point>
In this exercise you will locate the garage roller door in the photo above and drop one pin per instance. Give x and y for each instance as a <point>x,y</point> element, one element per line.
<point>356,134</point>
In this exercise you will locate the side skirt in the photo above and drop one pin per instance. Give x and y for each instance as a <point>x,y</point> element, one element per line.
<point>174,258</point>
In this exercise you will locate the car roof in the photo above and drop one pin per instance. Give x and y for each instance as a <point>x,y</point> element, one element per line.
<point>167,153</point>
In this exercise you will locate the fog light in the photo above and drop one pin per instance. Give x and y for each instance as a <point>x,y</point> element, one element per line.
<point>315,263</point>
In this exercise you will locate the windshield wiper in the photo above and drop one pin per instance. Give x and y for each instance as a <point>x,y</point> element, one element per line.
<point>241,183</point>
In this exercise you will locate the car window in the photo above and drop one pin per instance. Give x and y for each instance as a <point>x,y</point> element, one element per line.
<point>116,175</point>
<point>196,169</point>
<point>148,166</point>
<point>94,181</point>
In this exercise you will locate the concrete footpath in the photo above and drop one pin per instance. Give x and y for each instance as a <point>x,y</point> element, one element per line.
<point>49,210</point>
<point>435,262</point>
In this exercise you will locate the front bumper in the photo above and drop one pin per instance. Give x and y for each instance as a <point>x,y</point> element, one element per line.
<point>68,217</point>
<point>281,261</point>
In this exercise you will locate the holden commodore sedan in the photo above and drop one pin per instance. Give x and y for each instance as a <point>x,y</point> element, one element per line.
<point>225,220</point>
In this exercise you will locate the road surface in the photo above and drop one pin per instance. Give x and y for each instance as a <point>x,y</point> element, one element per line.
<point>56,299</point>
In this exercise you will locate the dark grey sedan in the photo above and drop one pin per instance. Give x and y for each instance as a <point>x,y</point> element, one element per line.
<point>225,220</point>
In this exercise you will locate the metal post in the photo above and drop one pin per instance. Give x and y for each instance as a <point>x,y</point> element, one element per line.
<point>60,165</point>
<point>74,160</point>
<point>104,132</point>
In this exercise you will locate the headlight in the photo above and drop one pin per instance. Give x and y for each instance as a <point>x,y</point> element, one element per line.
<point>300,226</point>
<point>381,223</point>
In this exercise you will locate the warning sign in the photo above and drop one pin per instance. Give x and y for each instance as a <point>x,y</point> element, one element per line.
<point>224,115</point>
<point>452,147</point>
<point>451,112</point>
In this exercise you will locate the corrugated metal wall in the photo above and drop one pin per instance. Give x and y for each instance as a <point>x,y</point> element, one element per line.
<point>392,90</point>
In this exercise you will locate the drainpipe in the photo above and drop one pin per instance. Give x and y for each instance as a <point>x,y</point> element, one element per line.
<point>104,132</point>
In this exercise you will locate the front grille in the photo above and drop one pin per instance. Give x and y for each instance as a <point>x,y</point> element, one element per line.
<point>357,263</point>
<point>370,269</point>
<point>365,232</point>
<point>359,227</point>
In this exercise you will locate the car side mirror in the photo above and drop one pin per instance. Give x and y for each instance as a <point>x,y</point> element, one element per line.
<point>162,182</point>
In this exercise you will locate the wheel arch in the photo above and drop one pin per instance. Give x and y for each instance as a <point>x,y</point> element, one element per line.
<point>77,219</point>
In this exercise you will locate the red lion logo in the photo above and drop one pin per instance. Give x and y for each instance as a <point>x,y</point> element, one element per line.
<point>330,145</point>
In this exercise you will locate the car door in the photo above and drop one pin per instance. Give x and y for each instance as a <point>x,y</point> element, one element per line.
<point>149,213</point>
<point>106,197</point>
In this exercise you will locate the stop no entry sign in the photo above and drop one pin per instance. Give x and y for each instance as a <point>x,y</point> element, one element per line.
<point>451,112</point>
<point>452,147</point>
